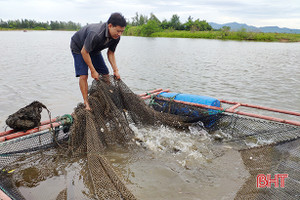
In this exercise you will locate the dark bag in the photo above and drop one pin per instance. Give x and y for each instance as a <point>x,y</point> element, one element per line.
<point>26,118</point>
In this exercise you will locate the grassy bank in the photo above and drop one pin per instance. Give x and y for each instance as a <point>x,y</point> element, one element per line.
<point>24,29</point>
<point>231,35</point>
<point>35,29</point>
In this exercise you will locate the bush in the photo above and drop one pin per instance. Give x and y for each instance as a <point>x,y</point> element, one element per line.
<point>39,28</point>
<point>152,26</point>
<point>133,31</point>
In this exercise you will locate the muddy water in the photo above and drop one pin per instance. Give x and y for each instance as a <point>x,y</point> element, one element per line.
<point>183,165</point>
<point>170,163</point>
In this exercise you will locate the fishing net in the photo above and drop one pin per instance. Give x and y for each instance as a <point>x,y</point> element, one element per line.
<point>266,147</point>
<point>282,158</point>
<point>113,104</point>
<point>241,132</point>
<point>114,108</point>
<point>26,118</point>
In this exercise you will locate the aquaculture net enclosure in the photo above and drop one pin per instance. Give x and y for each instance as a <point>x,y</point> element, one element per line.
<point>266,147</point>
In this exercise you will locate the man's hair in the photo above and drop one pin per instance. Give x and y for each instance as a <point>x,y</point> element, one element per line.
<point>117,19</point>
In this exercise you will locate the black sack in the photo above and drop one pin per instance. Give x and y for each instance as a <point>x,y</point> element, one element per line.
<point>26,118</point>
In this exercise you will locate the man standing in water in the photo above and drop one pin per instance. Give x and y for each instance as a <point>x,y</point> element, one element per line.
<point>86,46</point>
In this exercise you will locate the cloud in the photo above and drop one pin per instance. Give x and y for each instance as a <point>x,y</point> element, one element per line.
<point>253,12</point>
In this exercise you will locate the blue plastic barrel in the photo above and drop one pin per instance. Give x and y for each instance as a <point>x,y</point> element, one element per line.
<point>205,100</point>
<point>167,106</point>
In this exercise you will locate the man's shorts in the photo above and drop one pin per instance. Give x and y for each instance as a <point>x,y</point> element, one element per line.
<point>81,67</point>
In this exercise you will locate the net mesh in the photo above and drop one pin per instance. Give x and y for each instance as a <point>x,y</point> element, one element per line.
<point>282,158</point>
<point>266,147</point>
<point>273,147</point>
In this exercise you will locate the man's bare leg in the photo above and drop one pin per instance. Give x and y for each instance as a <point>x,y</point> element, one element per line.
<point>83,84</point>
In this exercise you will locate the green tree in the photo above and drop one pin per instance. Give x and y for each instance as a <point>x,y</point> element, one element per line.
<point>3,24</point>
<point>188,25</point>
<point>165,24</point>
<point>153,17</point>
<point>139,20</point>
<point>32,24</point>
<point>54,25</point>
<point>242,33</point>
<point>201,25</point>
<point>152,26</point>
<point>225,31</point>
<point>175,22</point>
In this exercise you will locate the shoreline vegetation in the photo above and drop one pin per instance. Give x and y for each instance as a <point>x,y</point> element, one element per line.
<point>144,26</point>
<point>232,35</point>
<point>25,24</point>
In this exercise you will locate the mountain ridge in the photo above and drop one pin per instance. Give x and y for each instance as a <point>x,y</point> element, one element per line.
<point>234,26</point>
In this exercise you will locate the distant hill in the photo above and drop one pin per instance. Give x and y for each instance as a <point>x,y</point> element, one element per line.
<point>266,29</point>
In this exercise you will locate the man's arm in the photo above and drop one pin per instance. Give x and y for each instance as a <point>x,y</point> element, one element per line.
<point>87,59</point>
<point>112,61</point>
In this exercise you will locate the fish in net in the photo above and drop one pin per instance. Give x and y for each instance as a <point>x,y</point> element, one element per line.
<point>266,147</point>
<point>113,104</point>
<point>115,107</point>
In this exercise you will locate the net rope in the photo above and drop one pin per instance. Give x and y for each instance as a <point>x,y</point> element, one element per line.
<point>115,107</point>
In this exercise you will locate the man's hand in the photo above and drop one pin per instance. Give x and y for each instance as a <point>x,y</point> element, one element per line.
<point>112,60</point>
<point>95,75</point>
<point>117,75</point>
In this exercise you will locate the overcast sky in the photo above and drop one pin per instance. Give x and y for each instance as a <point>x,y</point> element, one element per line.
<point>282,13</point>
